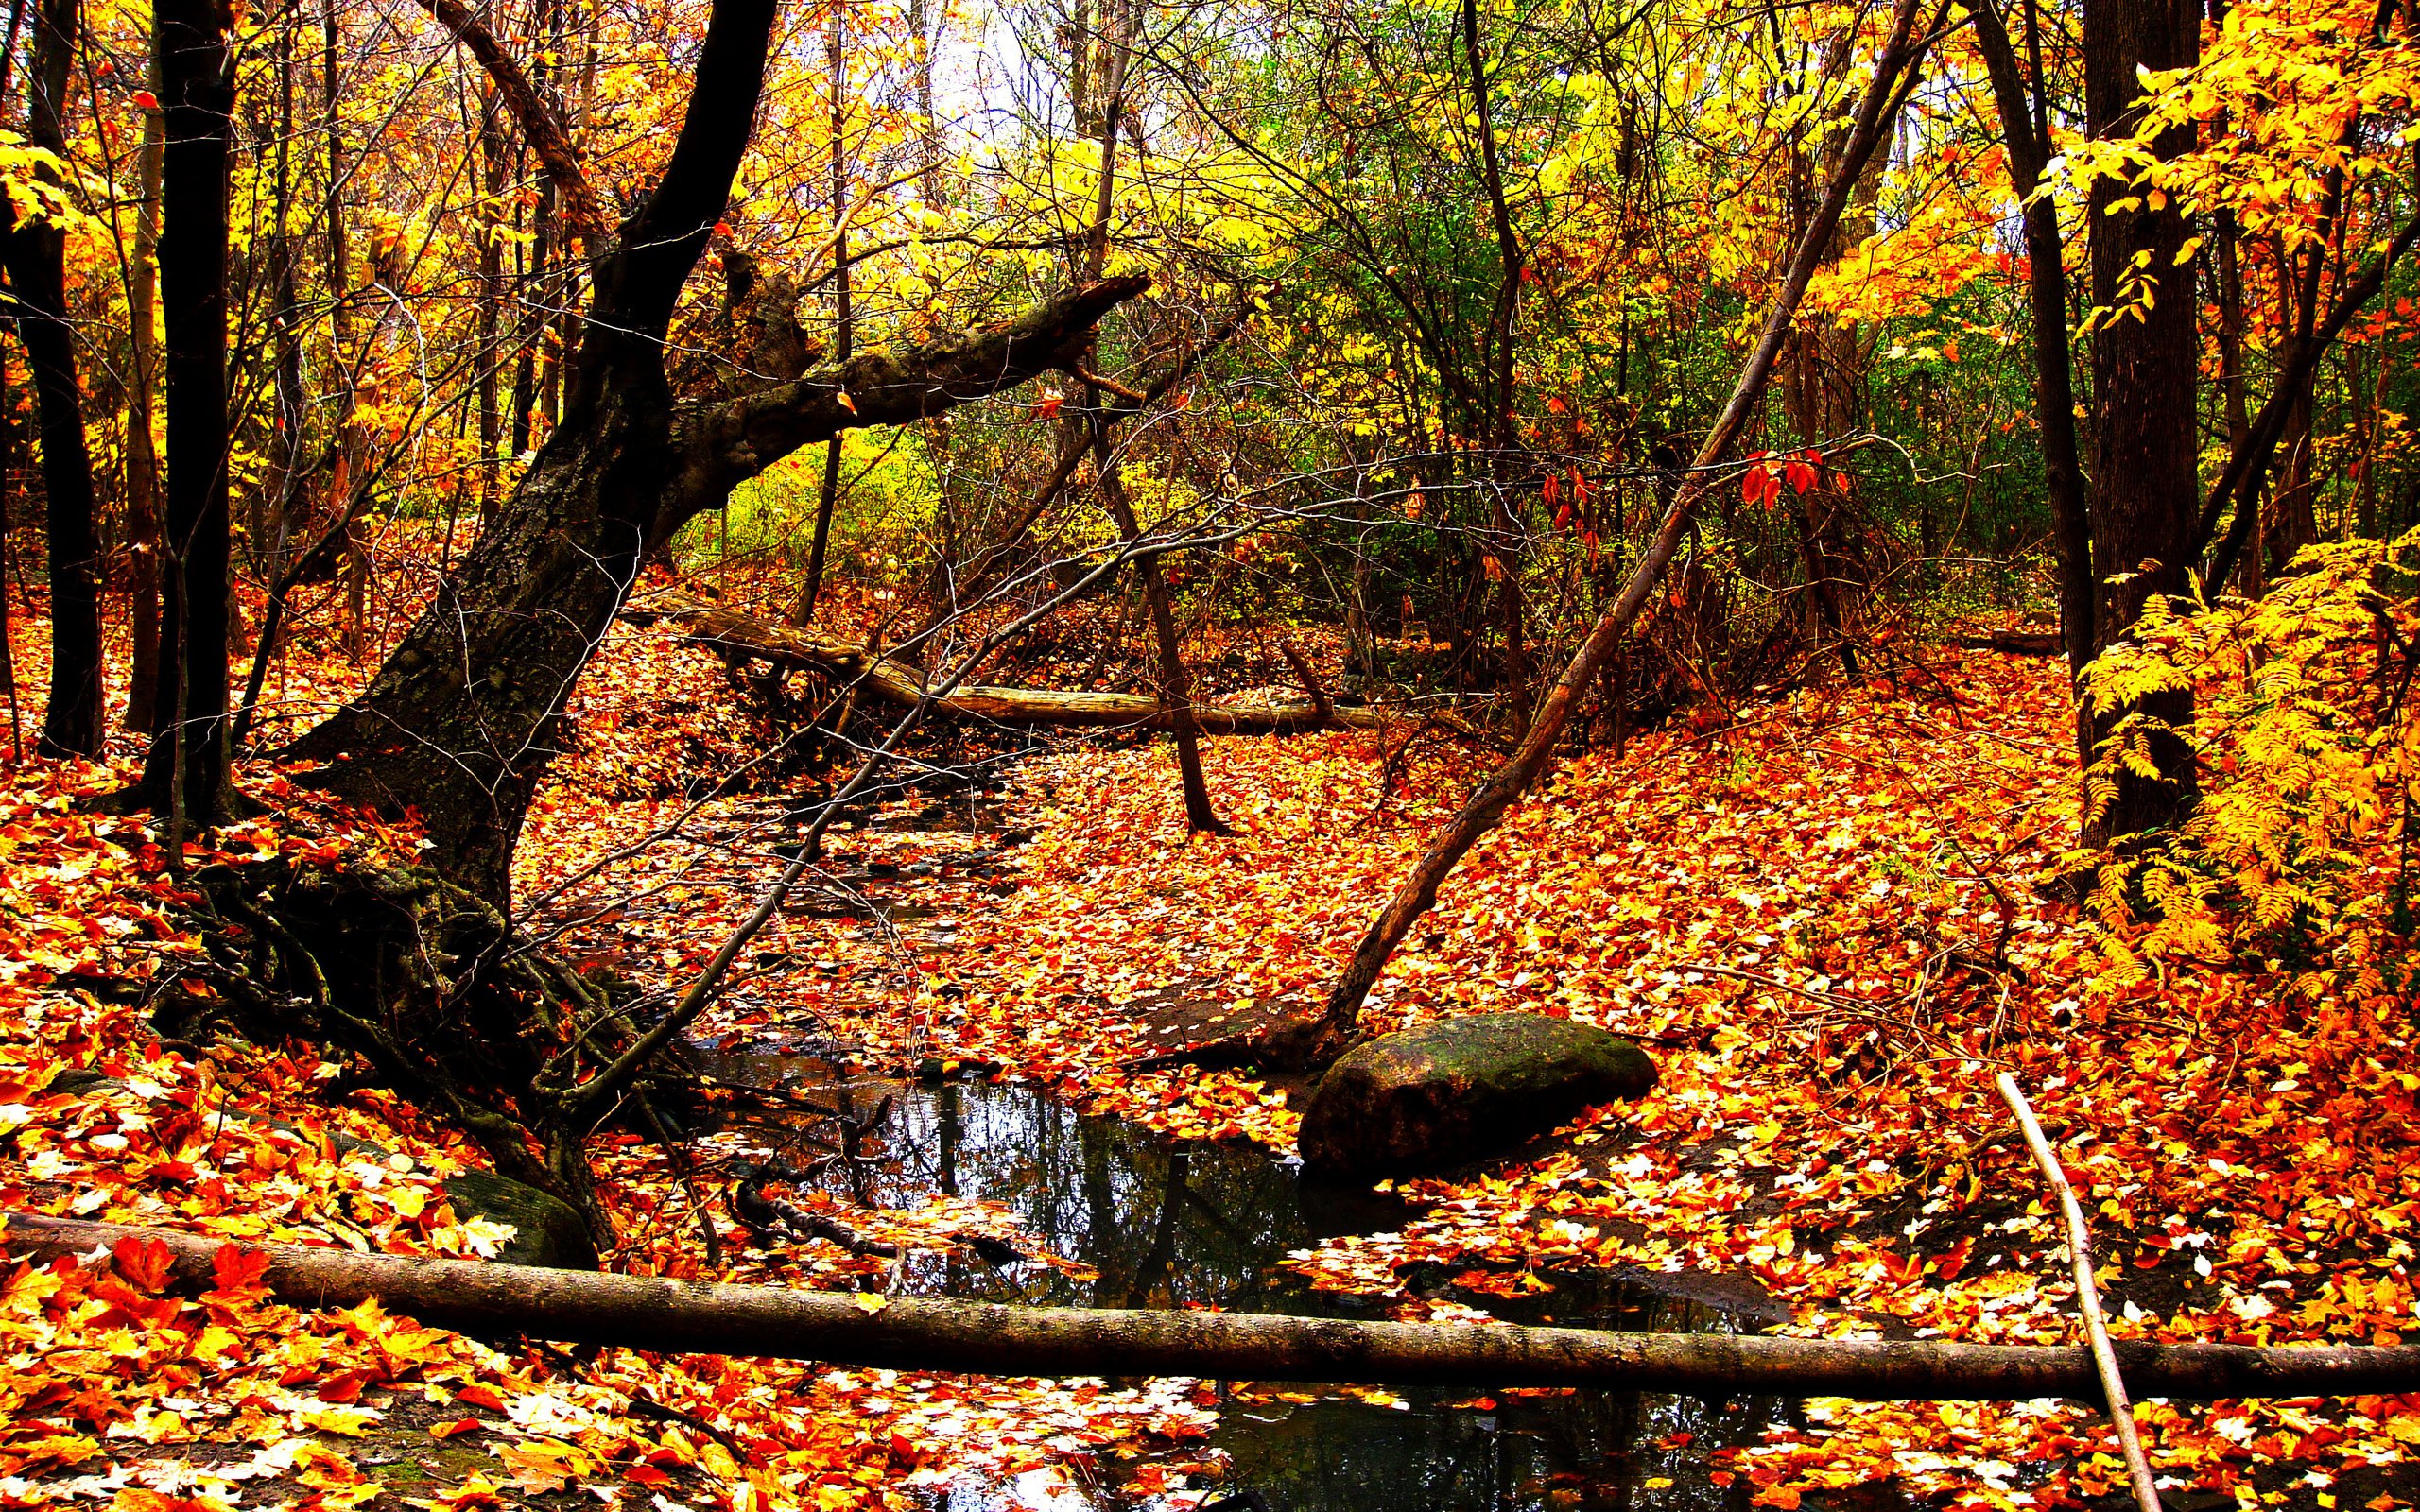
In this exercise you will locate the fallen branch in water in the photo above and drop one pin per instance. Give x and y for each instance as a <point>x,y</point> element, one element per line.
<point>771,1322</point>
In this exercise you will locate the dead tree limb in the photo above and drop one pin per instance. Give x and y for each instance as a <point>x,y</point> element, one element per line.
<point>771,1322</point>
<point>1894,74</point>
<point>539,124</point>
<point>2104,1357</point>
<point>899,684</point>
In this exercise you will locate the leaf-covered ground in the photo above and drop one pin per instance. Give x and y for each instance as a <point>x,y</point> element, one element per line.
<point>1822,921</point>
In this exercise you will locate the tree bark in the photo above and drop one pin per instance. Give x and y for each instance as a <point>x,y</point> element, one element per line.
<point>463,718</point>
<point>2144,499</point>
<point>1486,806</point>
<point>891,682</point>
<point>36,254</point>
<point>185,776</point>
<point>910,1333</point>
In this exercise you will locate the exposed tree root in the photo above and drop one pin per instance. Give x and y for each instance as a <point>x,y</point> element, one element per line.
<point>430,984</point>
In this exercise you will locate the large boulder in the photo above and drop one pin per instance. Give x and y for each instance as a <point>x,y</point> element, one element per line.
<point>1462,1090</point>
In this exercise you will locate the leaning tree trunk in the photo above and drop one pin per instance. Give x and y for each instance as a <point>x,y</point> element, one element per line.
<point>464,718</point>
<point>623,470</point>
<point>1893,78</point>
<point>37,262</point>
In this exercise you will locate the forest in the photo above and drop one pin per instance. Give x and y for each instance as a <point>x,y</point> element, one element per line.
<point>1209,755</point>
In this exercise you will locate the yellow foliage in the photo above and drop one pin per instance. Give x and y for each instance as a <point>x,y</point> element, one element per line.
<point>2297,856</point>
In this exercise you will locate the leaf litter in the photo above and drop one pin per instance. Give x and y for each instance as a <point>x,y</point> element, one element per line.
<point>1822,920</point>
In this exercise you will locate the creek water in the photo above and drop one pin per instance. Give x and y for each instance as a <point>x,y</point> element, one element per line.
<point>1166,1225</point>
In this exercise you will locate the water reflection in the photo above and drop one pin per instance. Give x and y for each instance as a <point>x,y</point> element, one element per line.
<point>1165,1226</point>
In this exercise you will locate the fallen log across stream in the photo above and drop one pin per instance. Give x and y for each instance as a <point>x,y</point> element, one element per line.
<point>732,634</point>
<point>853,1329</point>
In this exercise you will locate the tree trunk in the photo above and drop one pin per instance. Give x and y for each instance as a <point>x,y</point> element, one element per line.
<point>185,776</point>
<point>1487,805</point>
<point>670,1316</point>
<point>463,719</point>
<point>2025,129</point>
<point>37,266</point>
<point>836,60</point>
<point>1176,689</point>
<point>2144,499</point>
<point>491,224</point>
<point>141,447</point>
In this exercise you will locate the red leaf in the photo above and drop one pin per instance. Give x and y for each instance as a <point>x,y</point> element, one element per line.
<point>480,1397</point>
<point>460,1425</point>
<point>239,1271</point>
<point>145,1263</point>
<point>148,101</point>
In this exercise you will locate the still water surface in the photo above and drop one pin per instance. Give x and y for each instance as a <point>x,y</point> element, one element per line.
<point>1167,1223</point>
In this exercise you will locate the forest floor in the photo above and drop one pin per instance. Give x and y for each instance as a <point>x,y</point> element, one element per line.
<point>1824,920</point>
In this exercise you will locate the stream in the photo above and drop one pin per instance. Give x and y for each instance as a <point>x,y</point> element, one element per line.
<point>1167,1225</point>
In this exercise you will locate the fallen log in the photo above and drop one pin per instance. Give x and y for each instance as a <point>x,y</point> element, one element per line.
<point>853,1329</point>
<point>2013,643</point>
<point>743,637</point>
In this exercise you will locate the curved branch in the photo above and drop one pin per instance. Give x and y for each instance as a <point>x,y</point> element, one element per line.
<point>540,128</point>
<point>725,443</point>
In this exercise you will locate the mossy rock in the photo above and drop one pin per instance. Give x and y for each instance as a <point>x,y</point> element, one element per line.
<point>546,1230</point>
<point>1462,1090</point>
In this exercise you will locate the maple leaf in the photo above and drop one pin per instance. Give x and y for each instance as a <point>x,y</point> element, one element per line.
<point>145,1263</point>
<point>239,1274</point>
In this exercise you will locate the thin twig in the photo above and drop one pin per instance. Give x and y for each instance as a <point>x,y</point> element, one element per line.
<point>2121,1412</point>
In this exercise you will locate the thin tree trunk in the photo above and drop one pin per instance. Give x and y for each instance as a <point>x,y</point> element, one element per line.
<point>2025,130</point>
<point>490,225</point>
<point>836,58</point>
<point>1509,547</point>
<point>142,446</point>
<point>1175,687</point>
<point>37,267</point>
<point>288,489</point>
<point>670,1316</point>
<point>1487,805</point>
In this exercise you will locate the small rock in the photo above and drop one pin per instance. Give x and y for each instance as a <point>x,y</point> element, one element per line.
<point>1462,1090</point>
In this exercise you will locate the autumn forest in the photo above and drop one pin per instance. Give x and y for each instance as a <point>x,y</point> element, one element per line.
<point>1216,756</point>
